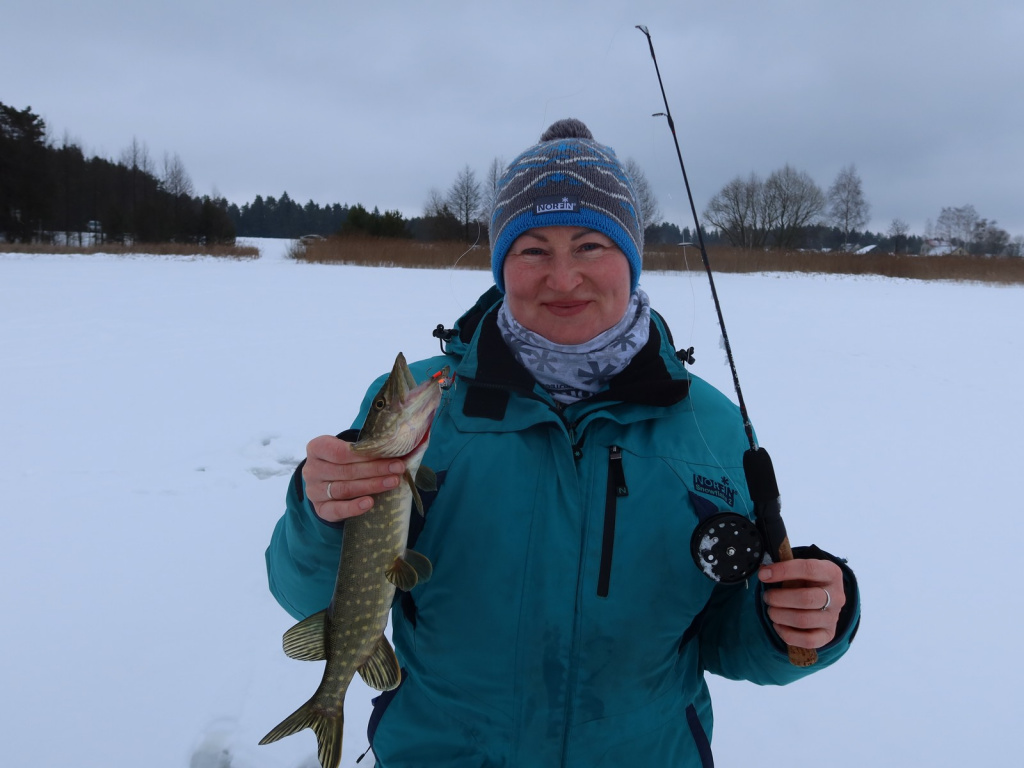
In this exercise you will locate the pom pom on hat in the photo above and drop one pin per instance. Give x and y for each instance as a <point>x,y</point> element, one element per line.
<point>569,128</point>
<point>567,179</point>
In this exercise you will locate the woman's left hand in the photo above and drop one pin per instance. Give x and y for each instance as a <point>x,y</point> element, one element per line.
<point>804,607</point>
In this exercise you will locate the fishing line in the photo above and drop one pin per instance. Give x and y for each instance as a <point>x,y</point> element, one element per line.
<point>667,114</point>
<point>720,561</point>
<point>693,333</point>
<point>690,277</point>
<point>596,65</point>
<point>451,269</point>
<point>475,243</point>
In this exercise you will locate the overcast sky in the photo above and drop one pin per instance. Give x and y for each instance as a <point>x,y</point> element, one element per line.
<point>377,103</point>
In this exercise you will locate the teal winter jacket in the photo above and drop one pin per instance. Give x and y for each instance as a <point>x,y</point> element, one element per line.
<point>566,623</point>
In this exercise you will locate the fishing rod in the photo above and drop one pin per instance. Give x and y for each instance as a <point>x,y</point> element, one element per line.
<point>716,557</point>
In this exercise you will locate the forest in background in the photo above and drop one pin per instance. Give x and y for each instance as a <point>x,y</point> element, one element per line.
<point>51,193</point>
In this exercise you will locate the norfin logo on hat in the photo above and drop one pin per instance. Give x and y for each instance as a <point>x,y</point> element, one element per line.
<point>556,204</point>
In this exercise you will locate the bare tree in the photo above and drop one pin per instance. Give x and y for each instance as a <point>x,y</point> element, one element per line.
<point>956,225</point>
<point>650,211</point>
<point>465,198</point>
<point>178,185</point>
<point>1016,246</point>
<point>792,201</point>
<point>489,188</point>
<point>898,231</point>
<point>441,222</point>
<point>175,180</point>
<point>136,158</point>
<point>435,205</point>
<point>989,239</point>
<point>736,210</point>
<point>847,208</point>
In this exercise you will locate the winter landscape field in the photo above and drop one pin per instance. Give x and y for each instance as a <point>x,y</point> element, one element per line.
<point>153,408</point>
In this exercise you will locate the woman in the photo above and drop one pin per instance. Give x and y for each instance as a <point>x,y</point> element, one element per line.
<point>565,623</point>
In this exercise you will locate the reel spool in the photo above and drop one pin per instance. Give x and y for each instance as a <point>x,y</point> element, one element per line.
<point>727,548</point>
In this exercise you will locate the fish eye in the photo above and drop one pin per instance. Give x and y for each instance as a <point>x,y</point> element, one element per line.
<point>380,404</point>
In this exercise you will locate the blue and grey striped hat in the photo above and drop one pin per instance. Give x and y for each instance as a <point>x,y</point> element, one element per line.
<point>567,179</point>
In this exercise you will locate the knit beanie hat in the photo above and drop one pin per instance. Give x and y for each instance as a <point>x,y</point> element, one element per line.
<point>568,179</point>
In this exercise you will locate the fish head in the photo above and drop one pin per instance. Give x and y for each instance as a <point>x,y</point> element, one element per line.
<point>400,413</point>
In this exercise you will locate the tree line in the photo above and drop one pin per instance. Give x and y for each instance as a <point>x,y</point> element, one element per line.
<point>961,227</point>
<point>464,208</point>
<point>789,210</point>
<point>51,191</point>
<point>284,217</point>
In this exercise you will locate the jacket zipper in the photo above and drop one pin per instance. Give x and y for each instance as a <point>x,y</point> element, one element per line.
<point>576,445</point>
<point>615,489</point>
<point>577,453</point>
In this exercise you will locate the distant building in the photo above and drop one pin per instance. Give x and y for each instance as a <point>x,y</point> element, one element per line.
<point>935,247</point>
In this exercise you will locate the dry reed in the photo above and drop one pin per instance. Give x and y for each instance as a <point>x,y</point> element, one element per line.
<point>985,269</point>
<point>149,249</point>
<point>392,252</point>
<point>445,255</point>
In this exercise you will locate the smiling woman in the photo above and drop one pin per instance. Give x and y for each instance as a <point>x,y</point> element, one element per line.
<point>566,284</point>
<point>574,458</point>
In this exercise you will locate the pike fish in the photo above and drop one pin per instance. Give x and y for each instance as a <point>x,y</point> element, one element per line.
<point>349,633</point>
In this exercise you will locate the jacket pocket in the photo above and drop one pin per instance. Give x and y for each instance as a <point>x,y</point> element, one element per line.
<point>700,738</point>
<point>380,705</point>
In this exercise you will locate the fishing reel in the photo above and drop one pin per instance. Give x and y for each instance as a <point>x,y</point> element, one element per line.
<point>728,547</point>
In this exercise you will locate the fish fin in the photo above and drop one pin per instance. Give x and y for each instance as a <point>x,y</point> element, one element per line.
<point>402,575</point>
<point>426,480</point>
<point>420,563</point>
<point>328,732</point>
<point>416,500</point>
<point>409,569</point>
<point>381,671</point>
<point>410,381</point>
<point>305,641</point>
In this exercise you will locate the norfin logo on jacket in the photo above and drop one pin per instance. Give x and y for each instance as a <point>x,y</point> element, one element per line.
<point>718,489</point>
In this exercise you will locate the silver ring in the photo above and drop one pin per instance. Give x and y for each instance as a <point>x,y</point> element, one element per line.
<point>332,499</point>
<point>828,599</point>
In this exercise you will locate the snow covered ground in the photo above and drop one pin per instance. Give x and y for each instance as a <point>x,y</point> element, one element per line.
<point>152,409</point>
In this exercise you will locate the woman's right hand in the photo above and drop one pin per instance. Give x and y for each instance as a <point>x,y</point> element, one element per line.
<point>350,478</point>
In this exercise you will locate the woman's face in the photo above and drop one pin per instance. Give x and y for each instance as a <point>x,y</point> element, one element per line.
<point>567,284</point>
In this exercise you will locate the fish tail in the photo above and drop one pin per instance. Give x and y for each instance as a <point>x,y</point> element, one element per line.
<point>328,730</point>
